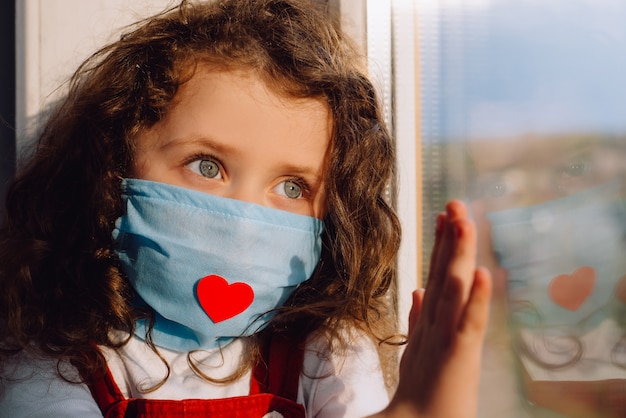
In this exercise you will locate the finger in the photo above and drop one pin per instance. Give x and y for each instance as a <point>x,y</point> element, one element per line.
<point>440,226</point>
<point>448,311</point>
<point>445,247</point>
<point>476,315</point>
<point>435,282</point>
<point>462,262</point>
<point>455,211</point>
<point>416,308</point>
<point>459,278</point>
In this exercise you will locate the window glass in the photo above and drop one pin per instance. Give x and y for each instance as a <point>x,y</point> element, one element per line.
<point>524,116</point>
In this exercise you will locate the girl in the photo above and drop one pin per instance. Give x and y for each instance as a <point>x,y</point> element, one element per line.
<point>202,230</point>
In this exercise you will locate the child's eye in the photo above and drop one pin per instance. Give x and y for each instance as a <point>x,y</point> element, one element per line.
<point>291,189</point>
<point>208,168</point>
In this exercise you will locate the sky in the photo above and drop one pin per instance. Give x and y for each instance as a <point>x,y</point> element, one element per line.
<point>511,67</point>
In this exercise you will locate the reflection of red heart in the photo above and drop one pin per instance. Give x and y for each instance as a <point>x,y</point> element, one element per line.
<point>570,291</point>
<point>221,300</point>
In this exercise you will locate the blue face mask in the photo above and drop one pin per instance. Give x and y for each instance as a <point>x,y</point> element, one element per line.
<point>565,258</point>
<point>211,268</point>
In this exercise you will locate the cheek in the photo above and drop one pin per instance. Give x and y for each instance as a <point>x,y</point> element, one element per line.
<point>319,203</point>
<point>146,152</point>
<point>148,164</point>
<point>140,166</point>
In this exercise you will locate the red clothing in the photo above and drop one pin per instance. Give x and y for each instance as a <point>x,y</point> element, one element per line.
<point>273,387</point>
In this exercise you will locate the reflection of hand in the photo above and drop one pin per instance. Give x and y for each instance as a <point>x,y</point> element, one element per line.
<point>439,371</point>
<point>485,255</point>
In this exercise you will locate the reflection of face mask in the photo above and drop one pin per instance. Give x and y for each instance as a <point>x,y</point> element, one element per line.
<point>564,258</point>
<point>211,268</point>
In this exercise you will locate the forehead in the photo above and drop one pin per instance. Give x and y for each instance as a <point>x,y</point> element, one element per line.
<point>240,110</point>
<point>246,98</point>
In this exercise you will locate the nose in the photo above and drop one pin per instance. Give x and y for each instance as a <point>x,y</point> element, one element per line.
<point>246,191</point>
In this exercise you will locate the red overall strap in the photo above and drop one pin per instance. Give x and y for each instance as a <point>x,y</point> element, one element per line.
<point>253,406</point>
<point>102,386</point>
<point>285,358</point>
<point>273,388</point>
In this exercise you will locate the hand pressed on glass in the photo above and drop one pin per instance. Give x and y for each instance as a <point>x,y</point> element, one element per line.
<point>439,373</point>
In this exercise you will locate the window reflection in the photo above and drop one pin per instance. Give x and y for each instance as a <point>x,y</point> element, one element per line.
<point>524,115</point>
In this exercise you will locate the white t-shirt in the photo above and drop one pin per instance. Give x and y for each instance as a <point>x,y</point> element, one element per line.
<point>330,386</point>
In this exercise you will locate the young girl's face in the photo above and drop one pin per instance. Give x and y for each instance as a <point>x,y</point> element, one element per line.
<point>227,134</point>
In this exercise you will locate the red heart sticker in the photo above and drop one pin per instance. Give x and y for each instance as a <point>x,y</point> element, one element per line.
<point>570,291</point>
<point>222,301</point>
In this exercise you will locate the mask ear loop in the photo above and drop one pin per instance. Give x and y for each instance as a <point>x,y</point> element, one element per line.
<point>532,354</point>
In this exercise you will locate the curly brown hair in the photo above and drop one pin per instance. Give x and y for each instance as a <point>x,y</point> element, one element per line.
<point>63,289</point>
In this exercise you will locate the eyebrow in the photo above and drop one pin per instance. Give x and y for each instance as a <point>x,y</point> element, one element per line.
<point>313,175</point>
<point>200,141</point>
